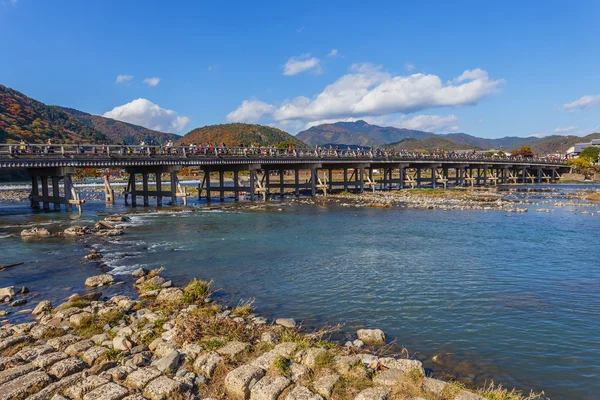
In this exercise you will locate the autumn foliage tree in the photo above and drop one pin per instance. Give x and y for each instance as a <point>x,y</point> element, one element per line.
<point>524,151</point>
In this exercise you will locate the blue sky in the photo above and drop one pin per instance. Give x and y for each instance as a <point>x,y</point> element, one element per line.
<point>491,70</point>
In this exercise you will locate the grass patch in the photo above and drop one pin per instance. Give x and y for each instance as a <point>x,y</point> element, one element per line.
<point>213,344</point>
<point>113,355</point>
<point>196,327</point>
<point>76,302</point>
<point>244,308</point>
<point>349,388</point>
<point>53,332</point>
<point>94,324</point>
<point>497,392</point>
<point>324,360</point>
<point>282,365</point>
<point>197,291</point>
<point>150,285</point>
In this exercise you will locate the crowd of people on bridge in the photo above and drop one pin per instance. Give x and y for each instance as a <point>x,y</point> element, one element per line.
<point>152,148</point>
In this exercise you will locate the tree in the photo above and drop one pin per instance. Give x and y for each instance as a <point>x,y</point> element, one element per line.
<point>591,153</point>
<point>524,151</point>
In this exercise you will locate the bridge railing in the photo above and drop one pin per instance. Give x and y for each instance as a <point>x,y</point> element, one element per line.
<point>94,151</point>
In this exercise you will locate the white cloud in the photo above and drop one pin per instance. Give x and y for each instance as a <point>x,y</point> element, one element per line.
<point>430,123</point>
<point>538,135</point>
<point>410,67</point>
<point>582,103</point>
<point>124,79</point>
<point>145,113</point>
<point>250,111</point>
<point>368,91</point>
<point>305,62</point>
<point>152,81</point>
<point>565,129</point>
<point>333,53</point>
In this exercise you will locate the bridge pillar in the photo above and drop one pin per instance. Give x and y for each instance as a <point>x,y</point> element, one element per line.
<point>313,182</point>
<point>524,180</point>
<point>221,185</point>
<point>345,179</point>
<point>433,174</point>
<point>46,204</point>
<point>56,192</point>
<point>419,177</point>
<point>402,172</point>
<point>297,182</point>
<point>158,179</point>
<point>539,175</point>
<point>208,194</point>
<point>485,176</point>
<point>330,179</point>
<point>53,174</point>
<point>362,179</point>
<point>236,185</point>
<point>267,183</point>
<point>253,183</point>
<point>281,182</point>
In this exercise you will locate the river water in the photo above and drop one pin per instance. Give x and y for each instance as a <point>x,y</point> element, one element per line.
<point>509,297</point>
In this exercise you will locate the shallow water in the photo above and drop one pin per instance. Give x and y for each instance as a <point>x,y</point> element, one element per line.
<point>513,297</point>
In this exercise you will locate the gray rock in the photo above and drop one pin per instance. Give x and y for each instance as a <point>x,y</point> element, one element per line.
<point>310,356</point>
<point>163,388</point>
<point>241,380</point>
<point>18,303</point>
<point>35,232</point>
<point>389,377</point>
<point>66,367</point>
<point>374,393</point>
<point>108,391</point>
<point>100,338</point>
<point>138,273</point>
<point>99,280</point>
<point>122,343</point>
<point>90,383</point>
<point>286,322</point>
<point>466,395</point>
<point>233,349</point>
<point>403,365</point>
<point>371,336</point>
<point>46,360</point>
<point>15,372</point>
<point>7,294</point>
<point>169,363</point>
<point>170,295</point>
<point>13,340</point>
<point>30,353</point>
<point>76,230</point>
<point>324,385</point>
<point>79,347</point>
<point>434,385</point>
<point>269,388</point>
<point>302,393</point>
<point>25,385</point>
<point>206,364</point>
<point>138,379</point>
<point>43,307</point>
<point>91,355</point>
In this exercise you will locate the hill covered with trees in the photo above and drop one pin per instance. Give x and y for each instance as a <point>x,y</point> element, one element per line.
<point>235,134</point>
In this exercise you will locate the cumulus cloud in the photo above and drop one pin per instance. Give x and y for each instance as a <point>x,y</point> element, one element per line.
<point>333,53</point>
<point>250,111</point>
<point>582,103</point>
<point>305,62</point>
<point>152,81</point>
<point>565,129</point>
<point>367,90</point>
<point>145,113</point>
<point>124,79</point>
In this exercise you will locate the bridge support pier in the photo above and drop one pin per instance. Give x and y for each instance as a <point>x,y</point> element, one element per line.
<point>174,192</point>
<point>43,176</point>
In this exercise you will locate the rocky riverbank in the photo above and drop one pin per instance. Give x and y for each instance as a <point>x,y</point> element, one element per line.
<point>176,343</point>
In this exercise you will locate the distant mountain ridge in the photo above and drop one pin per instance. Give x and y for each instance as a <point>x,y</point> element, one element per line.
<point>361,133</point>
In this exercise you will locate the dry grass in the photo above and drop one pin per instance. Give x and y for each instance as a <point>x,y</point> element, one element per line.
<point>155,272</point>
<point>593,197</point>
<point>94,324</point>
<point>196,291</point>
<point>497,392</point>
<point>244,308</point>
<point>76,302</point>
<point>216,389</point>
<point>54,332</point>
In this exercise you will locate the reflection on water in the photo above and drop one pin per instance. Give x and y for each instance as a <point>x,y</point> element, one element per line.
<point>514,299</point>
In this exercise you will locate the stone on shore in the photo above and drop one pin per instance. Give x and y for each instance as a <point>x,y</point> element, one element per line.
<point>138,273</point>
<point>99,280</point>
<point>163,388</point>
<point>77,230</point>
<point>324,385</point>
<point>108,391</point>
<point>241,380</point>
<point>25,385</point>
<point>402,364</point>
<point>302,393</point>
<point>269,388</point>
<point>139,378</point>
<point>371,336</point>
<point>43,307</point>
<point>206,364</point>
<point>286,322</point>
<point>170,295</point>
<point>233,349</point>
<point>90,383</point>
<point>67,367</point>
<point>374,393</point>
<point>122,343</point>
<point>169,363</point>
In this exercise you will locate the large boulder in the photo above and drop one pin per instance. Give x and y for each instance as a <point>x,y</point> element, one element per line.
<point>35,232</point>
<point>170,295</point>
<point>241,380</point>
<point>43,307</point>
<point>7,294</point>
<point>77,230</point>
<point>99,280</point>
<point>371,336</point>
<point>169,363</point>
<point>269,388</point>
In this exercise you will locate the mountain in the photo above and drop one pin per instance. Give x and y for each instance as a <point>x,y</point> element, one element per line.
<point>556,143</point>
<point>429,144</point>
<point>358,133</point>
<point>507,142</point>
<point>235,134</point>
<point>23,118</point>
<point>117,130</point>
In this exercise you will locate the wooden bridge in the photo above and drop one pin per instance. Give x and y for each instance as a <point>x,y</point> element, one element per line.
<point>49,165</point>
